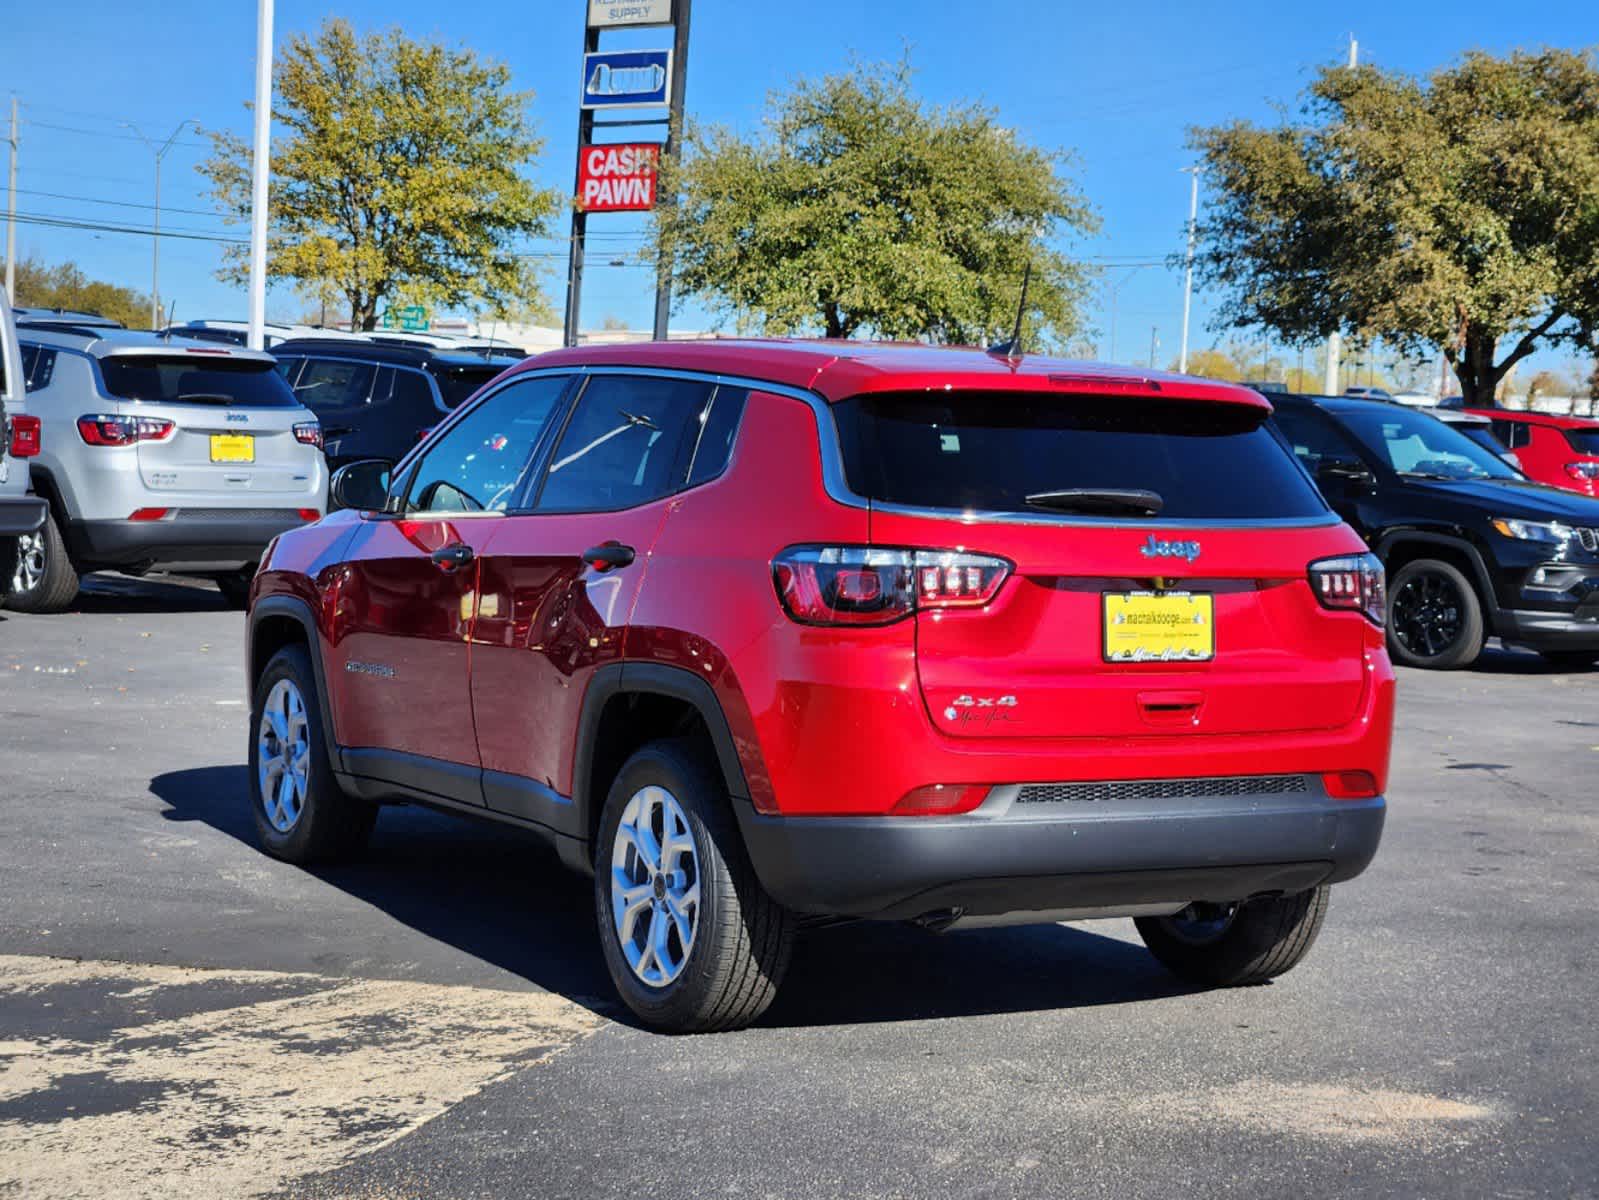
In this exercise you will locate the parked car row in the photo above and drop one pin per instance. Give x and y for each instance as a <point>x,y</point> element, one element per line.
<point>184,451</point>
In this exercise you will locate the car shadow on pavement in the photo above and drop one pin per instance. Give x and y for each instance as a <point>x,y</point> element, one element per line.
<point>499,895</point>
<point>1499,659</point>
<point>118,594</point>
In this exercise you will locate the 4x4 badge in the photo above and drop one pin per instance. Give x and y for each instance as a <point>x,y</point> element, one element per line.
<point>1156,548</point>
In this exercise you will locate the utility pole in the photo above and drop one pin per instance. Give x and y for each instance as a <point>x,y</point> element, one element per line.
<point>1115,291</point>
<point>11,214</point>
<point>1329,385</point>
<point>670,153</point>
<point>1154,344</point>
<point>160,152</point>
<point>261,173</point>
<point>1188,267</point>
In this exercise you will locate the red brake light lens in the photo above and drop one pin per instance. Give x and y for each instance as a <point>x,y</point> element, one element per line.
<point>25,436</point>
<point>940,800</point>
<point>871,585</point>
<point>1354,582</point>
<point>1350,785</point>
<point>309,433</point>
<point>1583,470</point>
<point>103,430</point>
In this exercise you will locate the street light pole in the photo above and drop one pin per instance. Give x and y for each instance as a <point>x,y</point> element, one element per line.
<point>1188,267</point>
<point>155,241</point>
<point>260,173</point>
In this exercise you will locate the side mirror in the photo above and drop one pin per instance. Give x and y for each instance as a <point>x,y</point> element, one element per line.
<point>1347,472</point>
<point>363,485</point>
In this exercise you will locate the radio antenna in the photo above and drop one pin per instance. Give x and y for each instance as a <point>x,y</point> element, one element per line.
<point>1012,349</point>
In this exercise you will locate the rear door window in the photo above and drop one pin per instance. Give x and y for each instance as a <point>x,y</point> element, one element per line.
<point>334,383</point>
<point>196,379</point>
<point>987,452</point>
<point>629,441</point>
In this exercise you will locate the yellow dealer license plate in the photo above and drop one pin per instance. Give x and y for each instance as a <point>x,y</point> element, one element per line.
<point>232,447</point>
<point>1159,627</point>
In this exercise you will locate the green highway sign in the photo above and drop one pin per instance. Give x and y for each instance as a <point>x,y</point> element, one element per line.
<point>413,318</point>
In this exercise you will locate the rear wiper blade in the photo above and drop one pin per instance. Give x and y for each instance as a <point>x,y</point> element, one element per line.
<point>1135,501</point>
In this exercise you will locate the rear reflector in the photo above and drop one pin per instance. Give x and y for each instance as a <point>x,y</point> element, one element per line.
<point>940,799</point>
<point>1350,785</point>
<point>872,585</point>
<point>148,514</point>
<point>310,514</point>
<point>25,436</point>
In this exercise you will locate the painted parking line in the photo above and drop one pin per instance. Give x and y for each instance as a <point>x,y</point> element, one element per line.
<point>151,1081</point>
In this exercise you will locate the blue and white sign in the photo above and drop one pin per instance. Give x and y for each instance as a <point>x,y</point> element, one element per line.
<point>626,78</point>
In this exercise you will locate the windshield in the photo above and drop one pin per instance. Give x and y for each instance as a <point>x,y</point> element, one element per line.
<point>1420,446</point>
<point>1583,441</point>
<point>196,379</point>
<point>1104,456</point>
<point>457,383</point>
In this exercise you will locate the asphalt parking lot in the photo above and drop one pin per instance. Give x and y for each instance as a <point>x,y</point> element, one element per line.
<point>180,1015</point>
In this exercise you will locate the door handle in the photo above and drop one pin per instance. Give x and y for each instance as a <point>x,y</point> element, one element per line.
<point>452,557</point>
<point>608,555</point>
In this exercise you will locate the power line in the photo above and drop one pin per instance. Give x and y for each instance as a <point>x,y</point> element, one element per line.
<point>100,133</point>
<point>193,212</point>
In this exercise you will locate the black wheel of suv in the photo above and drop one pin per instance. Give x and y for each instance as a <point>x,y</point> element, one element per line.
<point>1434,616</point>
<point>235,585</point>
<point>692,941</point>
<point>1570,660</point>
<point>301,814</point>
<point>44,579</point>
<point>1227,945</point>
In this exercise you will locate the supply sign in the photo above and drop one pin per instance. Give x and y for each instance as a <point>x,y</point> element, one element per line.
<point>618,178</point>
<point>605,13</point>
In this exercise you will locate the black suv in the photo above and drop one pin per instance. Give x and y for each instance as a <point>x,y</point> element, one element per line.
<point>375,400</point>
<point>1472,547</point>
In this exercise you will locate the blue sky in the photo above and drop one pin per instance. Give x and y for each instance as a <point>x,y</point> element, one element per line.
<point>1116,86</point>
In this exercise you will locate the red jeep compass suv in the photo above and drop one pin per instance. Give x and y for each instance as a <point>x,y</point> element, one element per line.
<point>762,632</point>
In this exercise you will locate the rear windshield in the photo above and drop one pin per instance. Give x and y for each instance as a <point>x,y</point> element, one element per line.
<point>989,452</point>
<point>197,379</point>
<point>1583,441</point>
<point>457,383</point>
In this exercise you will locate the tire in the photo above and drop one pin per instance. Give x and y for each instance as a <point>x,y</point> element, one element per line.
<point>1257,940</point>
<point>235,586</point>
<point>1434,616</point>
<point>325,824</point>
<point>739,938</point>
<point>1569,660</point>
<point>44,579</point>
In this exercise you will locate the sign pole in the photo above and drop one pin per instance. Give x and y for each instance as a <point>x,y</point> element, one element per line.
<point>669,155</point>
<point>574,262</point>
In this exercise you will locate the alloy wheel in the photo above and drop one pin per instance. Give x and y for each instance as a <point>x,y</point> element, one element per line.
<point>655,886</point>
<point>30,562</point>
<point>1427,614</point>
<point>283,741</point>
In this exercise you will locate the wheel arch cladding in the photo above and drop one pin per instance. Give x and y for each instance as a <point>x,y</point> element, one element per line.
<point>1400,549</point>
<point>630,704</point>
<point>277,622</point>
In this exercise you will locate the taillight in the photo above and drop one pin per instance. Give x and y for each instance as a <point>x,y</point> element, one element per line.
<point>1583,470</point>
<point>872,585</point>
<point>25,436</point>
<point>421,434</point>
<point>123,431</point>
<point>1352,581</point>
<point>309,433</point>
<point>1350,785</point>
<point>940,800</point>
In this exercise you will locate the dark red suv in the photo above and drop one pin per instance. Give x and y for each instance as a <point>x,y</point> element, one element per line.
<point>764,632</point>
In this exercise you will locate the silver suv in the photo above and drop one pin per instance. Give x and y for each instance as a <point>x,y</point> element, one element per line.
<point>21,515</point>
<point>159,453</point>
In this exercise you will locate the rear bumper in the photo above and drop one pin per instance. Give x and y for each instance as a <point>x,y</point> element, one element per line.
<point>1008,858</point>
<point>21,514</point>
<point>214,541</point>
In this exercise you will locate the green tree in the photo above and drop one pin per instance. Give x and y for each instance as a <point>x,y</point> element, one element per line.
<point>861,209</point>
<point>399,178</point>
<point>1458,211</point>
<point>64,285</point>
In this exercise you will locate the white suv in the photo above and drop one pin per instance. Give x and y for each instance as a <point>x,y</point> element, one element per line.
<point>21,515</point>
<point>159,453</point>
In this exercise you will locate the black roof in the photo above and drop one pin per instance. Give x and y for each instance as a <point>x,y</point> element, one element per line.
<point>384,352</point>
<point>1335,403</point>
